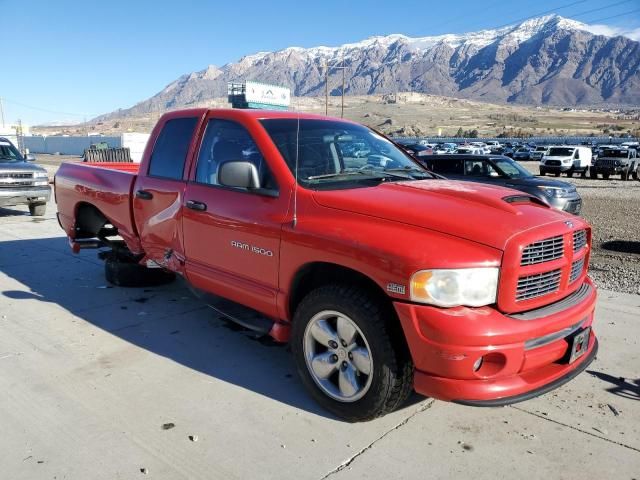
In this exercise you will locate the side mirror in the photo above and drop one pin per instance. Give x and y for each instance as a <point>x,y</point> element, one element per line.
<point>30,157</point>
<point>239,174</point>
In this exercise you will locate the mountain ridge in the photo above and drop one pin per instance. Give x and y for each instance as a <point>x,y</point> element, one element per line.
<point>547,60</point>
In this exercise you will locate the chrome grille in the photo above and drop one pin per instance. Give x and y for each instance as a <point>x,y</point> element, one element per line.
<point>579,239</point>
<point>543,251</point>
<point>537,285</point>
<point>576,270</point>
<point>16,175</point>
<point>605,162</point>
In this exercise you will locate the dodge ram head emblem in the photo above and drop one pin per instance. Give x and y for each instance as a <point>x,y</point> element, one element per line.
<point>569,223</point>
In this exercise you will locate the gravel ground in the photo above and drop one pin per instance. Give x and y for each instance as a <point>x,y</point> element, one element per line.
<point>613,209</point>
<point>611,206</point>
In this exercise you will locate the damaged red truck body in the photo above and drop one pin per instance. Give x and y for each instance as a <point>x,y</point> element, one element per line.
<point>384,277</point>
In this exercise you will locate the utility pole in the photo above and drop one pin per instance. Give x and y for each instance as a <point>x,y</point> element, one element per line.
<point>326,87</point>
<point>343,67</point>
<point>327,67</point>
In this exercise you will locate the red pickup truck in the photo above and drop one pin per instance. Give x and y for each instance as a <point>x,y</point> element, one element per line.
<point>383,276</point>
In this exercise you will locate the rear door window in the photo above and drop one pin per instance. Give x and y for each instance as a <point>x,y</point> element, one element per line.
<point>448,166</point>
<point>170,150</point>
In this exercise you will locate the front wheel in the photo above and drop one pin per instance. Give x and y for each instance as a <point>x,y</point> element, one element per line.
<point>624,175</point>
<point>570,173</point>
<point>350,353</point>
<point>593,173</point>
<point>605,176</point>
<point>542,172</point>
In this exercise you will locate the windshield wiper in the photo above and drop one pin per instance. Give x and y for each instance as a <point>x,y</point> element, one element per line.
<point>410,170</point>
<point>377,174</point>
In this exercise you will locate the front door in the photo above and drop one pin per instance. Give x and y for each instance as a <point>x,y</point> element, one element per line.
<point>232,236</point>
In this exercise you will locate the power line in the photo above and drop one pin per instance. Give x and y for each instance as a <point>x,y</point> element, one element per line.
<point>614,16</point>
<point>601,8</point>
<point>57,112</point>
<point>539,14</point>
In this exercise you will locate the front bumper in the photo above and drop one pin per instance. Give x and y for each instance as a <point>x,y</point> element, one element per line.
<point>568,204</point>
<point>524,354</point>
<point>556,168</point>
<point>611,170</point>
<point>22,196</point>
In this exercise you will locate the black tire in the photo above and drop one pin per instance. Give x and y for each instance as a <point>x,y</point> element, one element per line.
<point>130,274</point>
<point>557,174</point>
<point>542,172</point>
<point>392,381</point>
<point>583,174</point>
<point>636,174</point>
<point>605,176</point>
<point>37,209</point>
<point>593,173</point>
<point>624,175</point>
<point>570,173</point>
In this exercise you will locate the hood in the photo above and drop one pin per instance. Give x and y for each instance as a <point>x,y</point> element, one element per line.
<point>472,211</point>
<point>20,167</point>
<point>540,182</point>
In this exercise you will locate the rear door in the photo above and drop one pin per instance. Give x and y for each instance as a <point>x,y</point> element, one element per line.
<point>232,235</point>
<point>449,167</point>
<point>159,192</point>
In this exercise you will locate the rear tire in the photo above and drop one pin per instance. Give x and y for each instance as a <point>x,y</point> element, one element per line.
<point>37,209</point>
<point>390,381</point>
<point>129,274</point>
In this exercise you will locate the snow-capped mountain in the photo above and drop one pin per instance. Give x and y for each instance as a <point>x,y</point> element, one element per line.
<point>545,60</point>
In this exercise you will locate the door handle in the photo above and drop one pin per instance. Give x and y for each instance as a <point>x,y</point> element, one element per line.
<point>144,195</point>
<point>198,206</point>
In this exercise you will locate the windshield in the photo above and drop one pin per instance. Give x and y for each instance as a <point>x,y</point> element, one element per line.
<point>560,152</point>
<point>9,153</point>
<point>541,149</point>
<point>510,168</point>
<point>615,153</point>
<point>333,152</point>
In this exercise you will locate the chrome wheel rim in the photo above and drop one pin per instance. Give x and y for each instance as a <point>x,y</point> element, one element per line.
<point>338,356</point>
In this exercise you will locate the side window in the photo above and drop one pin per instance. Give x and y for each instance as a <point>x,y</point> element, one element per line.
<point>225,141</point>
<point>475,168</point>
<point>170,150</point>
<point>447,167</point>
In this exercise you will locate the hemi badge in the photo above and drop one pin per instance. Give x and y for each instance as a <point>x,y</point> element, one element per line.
<point>396,288</point>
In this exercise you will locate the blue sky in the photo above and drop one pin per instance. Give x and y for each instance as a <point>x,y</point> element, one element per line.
<point>76,59</point>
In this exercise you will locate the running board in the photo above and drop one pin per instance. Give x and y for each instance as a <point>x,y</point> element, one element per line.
<point>244,316</point>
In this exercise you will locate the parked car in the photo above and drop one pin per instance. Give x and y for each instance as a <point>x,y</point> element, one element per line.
<point>615,161</point>
<point>418,150</point>
<point>538,153</point>
<point>500,170</point>
<point>522,153</point>
<point>567,159</point>
<point>441,148</point>
<point>21,181</point>
<point>469,150</point>
<point>383,277</point>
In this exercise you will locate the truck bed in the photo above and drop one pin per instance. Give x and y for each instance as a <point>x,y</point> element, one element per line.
<point>105,185</point>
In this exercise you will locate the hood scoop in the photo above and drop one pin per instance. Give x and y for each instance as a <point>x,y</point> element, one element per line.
<point>524,199</point>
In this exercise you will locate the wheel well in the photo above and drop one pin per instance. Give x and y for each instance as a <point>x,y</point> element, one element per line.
<point>317,274</point>
<point>89,221</point>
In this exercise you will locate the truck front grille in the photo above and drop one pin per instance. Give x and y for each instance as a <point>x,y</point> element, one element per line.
<point>579,240</point>
<point>543,251</point>
<point>553,163</point>
<point>11,180</point>
<point>576,270</point>
<point>537,285</point>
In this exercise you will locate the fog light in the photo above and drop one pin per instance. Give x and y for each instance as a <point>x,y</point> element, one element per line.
<point>477,365</point>
<point>490,364</point>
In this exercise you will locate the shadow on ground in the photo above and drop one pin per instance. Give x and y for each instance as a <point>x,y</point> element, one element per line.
<point>167,320</point>
<point>623,387</point>
<point>622,246</point>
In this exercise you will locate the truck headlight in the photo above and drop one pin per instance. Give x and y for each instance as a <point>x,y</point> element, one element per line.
<point>473,287</point>
<point>556,191</point>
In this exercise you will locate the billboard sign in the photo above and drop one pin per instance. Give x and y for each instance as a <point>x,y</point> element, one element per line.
<point>264,94</point>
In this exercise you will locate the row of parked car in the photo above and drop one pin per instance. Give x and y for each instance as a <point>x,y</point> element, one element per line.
<point>597,160</point>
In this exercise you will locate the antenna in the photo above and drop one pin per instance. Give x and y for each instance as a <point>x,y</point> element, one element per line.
<point>295,186</point>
